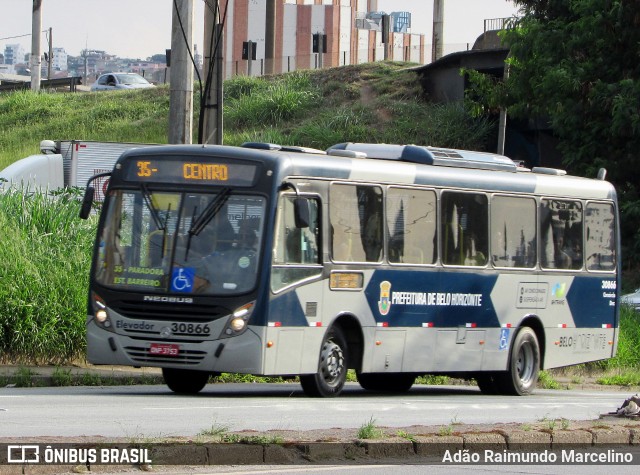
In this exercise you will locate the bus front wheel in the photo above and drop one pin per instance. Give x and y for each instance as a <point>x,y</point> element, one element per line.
<point>524,364</point>
<point>185,381</point>
<point>332,367</point>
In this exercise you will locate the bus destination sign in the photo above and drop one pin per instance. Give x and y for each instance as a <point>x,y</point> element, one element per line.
<point>190,171</point>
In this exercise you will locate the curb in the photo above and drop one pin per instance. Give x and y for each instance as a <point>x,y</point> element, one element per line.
<point>622,436</point>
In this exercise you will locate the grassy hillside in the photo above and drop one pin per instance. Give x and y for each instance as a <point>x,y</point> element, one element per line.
<point>378,102</point>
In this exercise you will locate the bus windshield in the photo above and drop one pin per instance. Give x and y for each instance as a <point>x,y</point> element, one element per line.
<point>177,242</point>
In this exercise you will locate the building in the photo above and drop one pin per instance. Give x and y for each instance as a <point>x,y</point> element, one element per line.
<point>14,54</point>
<point>349,40</point>
<point>60,59</point>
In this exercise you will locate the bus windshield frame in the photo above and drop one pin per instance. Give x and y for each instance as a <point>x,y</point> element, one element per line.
<point>180,242</point>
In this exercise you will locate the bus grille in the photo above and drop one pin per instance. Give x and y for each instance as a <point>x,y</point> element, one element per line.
<point>185,357</point>
<point>169,312</point>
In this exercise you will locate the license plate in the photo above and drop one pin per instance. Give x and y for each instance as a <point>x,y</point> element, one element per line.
<point>163,349</point>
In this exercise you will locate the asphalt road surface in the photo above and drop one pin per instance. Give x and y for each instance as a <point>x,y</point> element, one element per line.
<point>154,411</point>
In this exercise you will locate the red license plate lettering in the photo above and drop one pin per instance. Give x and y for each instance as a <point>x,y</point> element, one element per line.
<point>162,349</point>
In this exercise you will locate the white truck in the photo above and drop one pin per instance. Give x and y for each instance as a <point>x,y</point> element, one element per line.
<point>66,163</point>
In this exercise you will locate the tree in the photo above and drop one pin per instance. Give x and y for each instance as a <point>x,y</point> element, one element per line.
<point>577,64</point>
<point>158,58</point>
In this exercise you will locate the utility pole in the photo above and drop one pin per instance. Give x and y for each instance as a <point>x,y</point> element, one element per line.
<point>438,29</point>
<point>502,124</point>
<point>181,76</point>
<point>50,53</point>
<point>386,30</point>
<point>270,38</point>
<point>211,127</point>
<point>36,27</point>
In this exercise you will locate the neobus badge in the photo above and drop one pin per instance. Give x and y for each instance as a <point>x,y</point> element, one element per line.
<point>384,304</point>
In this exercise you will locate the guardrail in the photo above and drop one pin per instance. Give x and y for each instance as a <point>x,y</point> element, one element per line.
<point>70,82</point>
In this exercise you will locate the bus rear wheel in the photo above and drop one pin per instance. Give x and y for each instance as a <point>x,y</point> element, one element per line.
<point>524,365</point>
<point>387,382</point>
<point>185,381</point>
<point>332,367</point>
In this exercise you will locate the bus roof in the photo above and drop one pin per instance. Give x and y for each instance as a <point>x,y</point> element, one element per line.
<point>406,165</point>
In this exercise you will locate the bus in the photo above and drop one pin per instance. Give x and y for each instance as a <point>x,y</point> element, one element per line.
<point>394,261</point>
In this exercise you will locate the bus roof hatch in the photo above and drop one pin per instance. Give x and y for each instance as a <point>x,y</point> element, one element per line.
<point>430,155</point>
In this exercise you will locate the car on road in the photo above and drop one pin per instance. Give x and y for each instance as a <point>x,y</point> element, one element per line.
<point>116,81</point>
<point>632,299</point>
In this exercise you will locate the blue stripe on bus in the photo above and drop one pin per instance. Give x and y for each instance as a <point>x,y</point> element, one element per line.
<point>438,299</point>
<point>287,310</point>
<point>591,301</point>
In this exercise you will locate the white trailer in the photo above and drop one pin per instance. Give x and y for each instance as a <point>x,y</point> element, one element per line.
<point>66,163</point>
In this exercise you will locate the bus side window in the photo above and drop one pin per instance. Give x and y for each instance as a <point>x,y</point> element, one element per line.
<point>411,226</point>
<point>513,231</point>
<point>464,228</point>
<point>600,232</point>
<point>357,222</point>
<point>561,228</point>
<point>295,247</point>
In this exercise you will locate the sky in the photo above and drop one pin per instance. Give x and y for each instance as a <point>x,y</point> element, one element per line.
<point>142,28</point>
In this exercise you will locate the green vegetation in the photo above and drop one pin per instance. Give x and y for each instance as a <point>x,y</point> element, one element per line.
<point>27,118</point>
<point>45,255</point>
<point>546,381</point>
<point>626,378</point>
<point>369,430</point>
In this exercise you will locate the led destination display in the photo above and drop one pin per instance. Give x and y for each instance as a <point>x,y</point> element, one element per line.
<point>190,171</point>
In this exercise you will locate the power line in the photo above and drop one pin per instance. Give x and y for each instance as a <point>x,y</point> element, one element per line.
<point>19,36</point>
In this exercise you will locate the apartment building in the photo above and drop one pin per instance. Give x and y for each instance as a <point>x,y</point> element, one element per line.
<point>352,27</point>
<point>14,54</point>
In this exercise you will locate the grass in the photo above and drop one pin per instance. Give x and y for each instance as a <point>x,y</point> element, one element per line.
<point>546,381</point>
<point>369,430</point>
<point>45,251</point>
<point>630,377</point>
<point>25,377</point>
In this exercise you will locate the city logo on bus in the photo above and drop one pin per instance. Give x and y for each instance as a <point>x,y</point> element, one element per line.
<point>384,304</point>
<point>558,292</point>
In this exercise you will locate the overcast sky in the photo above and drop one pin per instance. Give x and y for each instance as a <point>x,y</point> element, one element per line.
<point>141,28</point>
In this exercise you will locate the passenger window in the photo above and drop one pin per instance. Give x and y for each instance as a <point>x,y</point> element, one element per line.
<point>296,253</point>
<point>561,234</point>
<point>464,229</point>
<point>599,220</point>
<point>513,231</point>
<point>411,226</point>
<point>356,223</point>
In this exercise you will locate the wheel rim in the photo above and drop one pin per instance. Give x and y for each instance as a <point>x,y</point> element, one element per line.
<point>525,364</point>
<point>331,363</point>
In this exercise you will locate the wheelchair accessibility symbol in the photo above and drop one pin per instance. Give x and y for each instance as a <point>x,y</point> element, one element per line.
<point>182,279</point>
<point>504,338</point>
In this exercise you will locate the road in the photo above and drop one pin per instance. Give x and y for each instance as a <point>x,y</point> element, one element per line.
<point>153,411</point>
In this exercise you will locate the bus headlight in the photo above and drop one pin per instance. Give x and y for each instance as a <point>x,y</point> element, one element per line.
<point>238,321</point>
<point>101,315</point>
<point>237,324</point>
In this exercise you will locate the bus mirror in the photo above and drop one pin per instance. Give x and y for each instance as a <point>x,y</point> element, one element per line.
<point>87,201</point>
<point>301,212</point>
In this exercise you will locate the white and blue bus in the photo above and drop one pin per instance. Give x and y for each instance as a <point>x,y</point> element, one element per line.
<point>394,261</point>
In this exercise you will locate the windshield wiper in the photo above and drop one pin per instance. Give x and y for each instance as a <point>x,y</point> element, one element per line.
<point>146,196</point>
<point>198,224</point>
